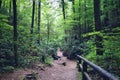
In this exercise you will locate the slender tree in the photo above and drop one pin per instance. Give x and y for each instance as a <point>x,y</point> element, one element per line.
<point>15,36</point>
<point>48,28</point>
<point>80,29</point>
<point>32,22</point>
<point>0,4</point>
<point>39,20</point>
<point>98,27</point>
<point>63,9</point>
<point>64,17</point>
<point>33,13</point>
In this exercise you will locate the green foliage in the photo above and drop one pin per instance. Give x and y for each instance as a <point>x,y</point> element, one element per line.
<point>92,34</point>
<point>92,51</point>
<point>7,69</point>
<point>48,60</point>
<point>110,59</point>
<point>74,35</point>
<point>6,54</point>
<point>112,53</point>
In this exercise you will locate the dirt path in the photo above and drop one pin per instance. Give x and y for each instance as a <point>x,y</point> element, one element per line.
<point>59,71</point>
<point>56,72</point>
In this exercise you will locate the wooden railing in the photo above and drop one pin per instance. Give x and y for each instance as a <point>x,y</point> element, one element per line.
<point>83,67</point>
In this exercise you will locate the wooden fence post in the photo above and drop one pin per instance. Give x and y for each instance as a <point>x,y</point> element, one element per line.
<point>84,70</point>
<point>78,65</point>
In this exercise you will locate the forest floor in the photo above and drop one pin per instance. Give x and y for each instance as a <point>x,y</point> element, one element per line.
<point>56,72</point>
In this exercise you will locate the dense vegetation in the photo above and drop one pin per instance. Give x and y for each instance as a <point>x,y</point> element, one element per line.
<point>32,30</point>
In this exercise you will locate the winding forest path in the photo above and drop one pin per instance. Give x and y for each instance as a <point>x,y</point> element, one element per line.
<point>59,71</point>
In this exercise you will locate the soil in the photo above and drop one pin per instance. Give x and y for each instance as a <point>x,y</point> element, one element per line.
<point>58,71</point>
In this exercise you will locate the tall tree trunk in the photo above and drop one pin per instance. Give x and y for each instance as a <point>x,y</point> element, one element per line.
<point>0,4</point>
<point>33,12</point>
<point>64,17</point>
<point>71,31</point>
<point>15,36</point>
<point>63,9</point>
<point>48,28</point>
<point>98,27</point>
<point>80,29</point>
<point>39,20</point>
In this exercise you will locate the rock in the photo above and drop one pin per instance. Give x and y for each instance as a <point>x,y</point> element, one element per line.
<point>55,57</point>
<point>64,63</point>
<point>32,76</point>
<point>41,67</point>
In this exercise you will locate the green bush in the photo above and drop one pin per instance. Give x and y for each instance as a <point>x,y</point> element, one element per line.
<point>48,60</point>
<point>7,69</point>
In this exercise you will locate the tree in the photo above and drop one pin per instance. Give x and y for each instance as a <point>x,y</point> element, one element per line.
<point>98,27</point>
<point>63,9</point>
<point>33,13</point>
<point>48,30</point>
<point>15,36</point>
<point>39,18</point>
<point>32,22</point>
<point>79,27</point>
<point>64,17</point>
<point>0,3</point>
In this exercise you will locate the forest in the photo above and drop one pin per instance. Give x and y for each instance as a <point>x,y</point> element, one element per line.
<point>32,30</point>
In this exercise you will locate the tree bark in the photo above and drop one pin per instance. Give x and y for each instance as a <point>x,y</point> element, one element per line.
<point>97,15</point>
<point>15,36</point>
<point>64,17</point>
<point>48,28</point>
<point>39,20</point>
<point>33,13</point>
<point>80,29</point>
<point>63,9</point>
<point>98,27</point>
<point>0,4</point>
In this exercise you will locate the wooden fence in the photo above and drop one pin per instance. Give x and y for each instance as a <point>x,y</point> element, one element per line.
<point>83,65</point>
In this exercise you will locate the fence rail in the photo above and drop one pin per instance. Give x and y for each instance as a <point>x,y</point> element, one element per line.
<point>83,66</point>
